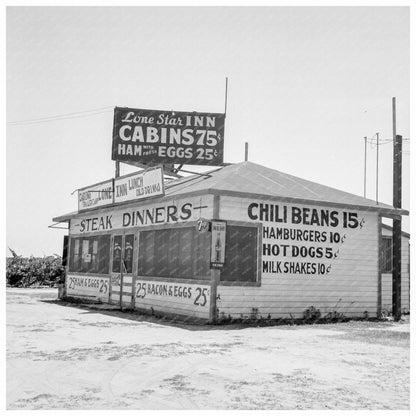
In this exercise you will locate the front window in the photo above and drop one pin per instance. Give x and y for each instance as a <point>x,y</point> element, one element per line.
<point>184,252</point>
<point>90,254</point>
<point>386,254</point>
<point>175,252</point>
<point>241,252</point>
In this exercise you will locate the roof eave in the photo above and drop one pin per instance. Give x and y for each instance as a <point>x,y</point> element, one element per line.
<point>64,218</point>
<point>388,212</point>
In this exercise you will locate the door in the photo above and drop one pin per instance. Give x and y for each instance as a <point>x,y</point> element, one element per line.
<point>122,269</point>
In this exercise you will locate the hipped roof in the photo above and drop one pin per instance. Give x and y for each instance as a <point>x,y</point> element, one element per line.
<point>248,179</point>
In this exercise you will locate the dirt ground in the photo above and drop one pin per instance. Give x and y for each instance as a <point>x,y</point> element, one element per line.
<point>63,356</point>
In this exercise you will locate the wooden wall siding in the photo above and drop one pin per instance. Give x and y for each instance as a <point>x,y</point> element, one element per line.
<point>386,292</point>
<point>115,297</point>
<point>109,219</point>
<point>350,287</point>
<point>115,289</point>
<point>127,297</point>
<point>90,287</point>
<point>173,298</point>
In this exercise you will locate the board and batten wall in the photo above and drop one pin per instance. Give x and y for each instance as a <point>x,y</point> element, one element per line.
<point>386,288</point>
<point>349,280</point>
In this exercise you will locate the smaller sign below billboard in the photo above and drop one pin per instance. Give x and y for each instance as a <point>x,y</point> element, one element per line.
<point>218,229</point>
<point>139,185</point>
<point>95,196</point>
<point>132,187</point>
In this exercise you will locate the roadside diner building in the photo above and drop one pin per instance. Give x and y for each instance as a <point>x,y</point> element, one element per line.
<point>242,239</point>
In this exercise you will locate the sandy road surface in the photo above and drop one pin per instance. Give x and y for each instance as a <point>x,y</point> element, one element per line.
<point>67,357</point>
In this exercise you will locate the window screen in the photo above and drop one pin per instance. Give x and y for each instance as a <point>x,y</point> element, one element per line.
<point>240,254</point>
<point>175,252</point>
<point>90,254</point>
<point>117,243</point>
<point>386,254</point>
<point>128,253</point>
<point>75,255</point>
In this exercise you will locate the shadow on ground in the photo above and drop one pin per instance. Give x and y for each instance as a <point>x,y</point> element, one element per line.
<point>190,324</point>
<point>193,324</point>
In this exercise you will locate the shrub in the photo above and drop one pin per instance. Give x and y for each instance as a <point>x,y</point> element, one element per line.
<point>311,314</point>
<point>335,316</point>
<point>254,314</point>
<point>30,271</point>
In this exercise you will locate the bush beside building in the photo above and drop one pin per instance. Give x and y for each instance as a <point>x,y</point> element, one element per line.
<point>33,271</point>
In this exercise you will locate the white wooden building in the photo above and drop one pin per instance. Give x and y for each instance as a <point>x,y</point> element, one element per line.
<point>289,244</point>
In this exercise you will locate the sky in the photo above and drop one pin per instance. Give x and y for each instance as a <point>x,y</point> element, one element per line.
<point>305,86</point>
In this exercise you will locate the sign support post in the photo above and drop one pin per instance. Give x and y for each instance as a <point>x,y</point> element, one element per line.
<point>117,173</point>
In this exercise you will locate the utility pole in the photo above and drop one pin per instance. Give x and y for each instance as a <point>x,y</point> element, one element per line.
<point>394,118</point>
<point>397,229</point>
<point>365,166</point>
<point>377,169</point>
<point>397,222</point>
<point>246,152</point>
<point>226,96</point>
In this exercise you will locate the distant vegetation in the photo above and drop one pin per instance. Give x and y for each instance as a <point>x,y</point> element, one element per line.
<point>33,271</point>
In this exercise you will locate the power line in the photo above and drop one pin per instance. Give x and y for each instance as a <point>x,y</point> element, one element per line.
<point>62,118</point>
<point>380,140</point>
<point>85,113</point>
<point>381,144</point>
<point>374,144</point>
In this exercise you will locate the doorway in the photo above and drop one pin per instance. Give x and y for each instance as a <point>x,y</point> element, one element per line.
<point>122,269</point>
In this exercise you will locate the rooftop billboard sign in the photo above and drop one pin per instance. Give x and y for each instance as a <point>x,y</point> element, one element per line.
<point>166,137</point>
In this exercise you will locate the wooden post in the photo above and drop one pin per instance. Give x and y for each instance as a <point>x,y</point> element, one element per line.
<point>215,273</point>
<point>215,279</point>
<point>377,169</point>
<point>365,166</point>
<point>226,95</point>
<point>379,276</point>
<point>397,229</point>
<point>117,169</point>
